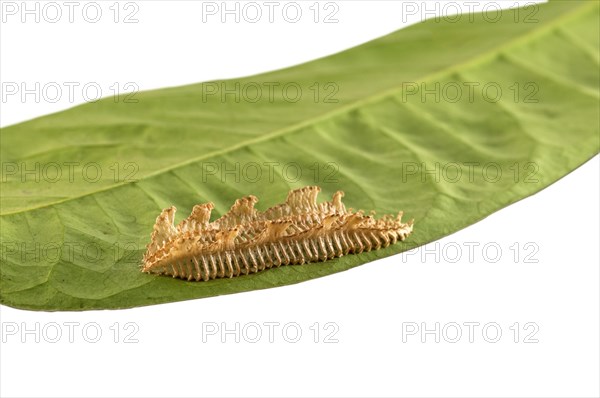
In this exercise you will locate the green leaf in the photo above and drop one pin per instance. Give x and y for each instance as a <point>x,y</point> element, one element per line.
<point>74,240</point>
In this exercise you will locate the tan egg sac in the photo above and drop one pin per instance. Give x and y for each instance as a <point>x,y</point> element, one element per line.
<point>245,240</point>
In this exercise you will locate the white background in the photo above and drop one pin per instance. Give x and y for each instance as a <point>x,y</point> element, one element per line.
<point>371,309</point>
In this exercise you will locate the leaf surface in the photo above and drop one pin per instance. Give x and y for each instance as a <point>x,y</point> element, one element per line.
<point>449,122</point>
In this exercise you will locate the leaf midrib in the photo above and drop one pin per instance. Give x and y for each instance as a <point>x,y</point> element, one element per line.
<point>480,58</point>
